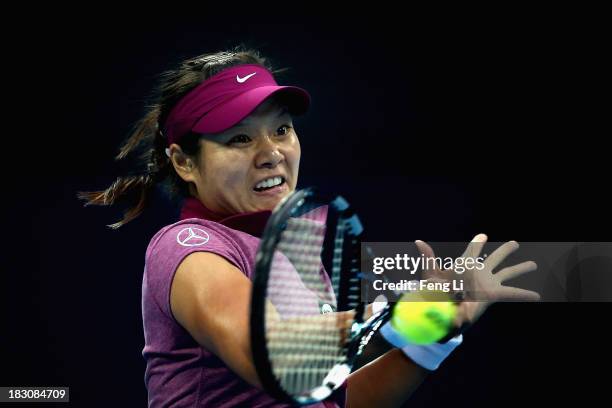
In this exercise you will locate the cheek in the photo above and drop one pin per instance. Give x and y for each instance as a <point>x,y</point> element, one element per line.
<point>234,179</point>
<point>228,172</point>
<point>296,154</point>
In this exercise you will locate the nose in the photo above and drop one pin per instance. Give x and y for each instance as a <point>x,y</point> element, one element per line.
<point>268,154</point>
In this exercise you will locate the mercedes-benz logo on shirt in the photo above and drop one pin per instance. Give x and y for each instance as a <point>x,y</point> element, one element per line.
<point>192,237</point>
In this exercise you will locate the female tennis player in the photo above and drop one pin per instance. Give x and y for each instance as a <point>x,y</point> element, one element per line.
<point>221,138</point>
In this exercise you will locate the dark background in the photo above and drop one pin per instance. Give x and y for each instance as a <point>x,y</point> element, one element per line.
<point>431,130</point>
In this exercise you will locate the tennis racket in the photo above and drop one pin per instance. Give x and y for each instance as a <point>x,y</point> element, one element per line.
<point>308,324</point>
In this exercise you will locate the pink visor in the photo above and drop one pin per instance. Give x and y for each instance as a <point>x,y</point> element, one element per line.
<point>226,98</point>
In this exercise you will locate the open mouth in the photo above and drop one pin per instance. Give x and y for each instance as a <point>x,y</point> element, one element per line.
<point>269,183</point>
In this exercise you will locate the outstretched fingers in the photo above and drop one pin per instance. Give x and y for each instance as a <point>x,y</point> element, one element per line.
<point>474,248</point>
<point>500,254</point>
<point>516,270</point>
<point>509,293</point>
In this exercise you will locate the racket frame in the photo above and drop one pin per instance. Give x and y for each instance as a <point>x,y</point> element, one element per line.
<point>361,332</point>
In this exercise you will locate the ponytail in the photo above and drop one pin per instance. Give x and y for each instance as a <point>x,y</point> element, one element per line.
<point>135,189</point>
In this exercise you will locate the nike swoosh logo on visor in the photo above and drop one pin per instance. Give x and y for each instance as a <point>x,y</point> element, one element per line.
<point>243,80</point>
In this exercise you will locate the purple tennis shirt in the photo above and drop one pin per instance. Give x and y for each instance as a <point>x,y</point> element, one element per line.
<point>180,372</point>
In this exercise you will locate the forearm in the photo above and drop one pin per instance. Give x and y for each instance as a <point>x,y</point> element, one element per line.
<point>387,381</point>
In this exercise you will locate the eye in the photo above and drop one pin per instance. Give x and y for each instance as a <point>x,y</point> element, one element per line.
<point>283,130</point>
<point>239,139</point>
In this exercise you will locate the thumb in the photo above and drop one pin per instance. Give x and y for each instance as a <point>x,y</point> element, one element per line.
<point>424,248</point>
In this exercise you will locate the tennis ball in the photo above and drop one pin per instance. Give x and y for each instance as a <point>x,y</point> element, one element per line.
<point>423,321</point>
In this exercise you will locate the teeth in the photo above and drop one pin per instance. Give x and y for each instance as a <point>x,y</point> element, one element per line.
<point>267,183</point>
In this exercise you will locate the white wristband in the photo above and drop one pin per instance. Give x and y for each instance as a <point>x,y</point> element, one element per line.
<point>428,356</point>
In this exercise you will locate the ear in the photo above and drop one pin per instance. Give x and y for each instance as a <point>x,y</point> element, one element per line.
<point>183,164</point>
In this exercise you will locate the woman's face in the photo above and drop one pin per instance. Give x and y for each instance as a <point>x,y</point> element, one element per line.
<point>251,166</point>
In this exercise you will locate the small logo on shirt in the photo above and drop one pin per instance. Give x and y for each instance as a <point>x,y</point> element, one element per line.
<point>190,237</point>
<point>326,308</point>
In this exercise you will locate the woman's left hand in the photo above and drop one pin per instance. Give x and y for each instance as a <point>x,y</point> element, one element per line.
<point>484,286</point>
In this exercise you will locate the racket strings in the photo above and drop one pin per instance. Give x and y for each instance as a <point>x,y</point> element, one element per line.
<point>337,257</point>
<point>303,344</point>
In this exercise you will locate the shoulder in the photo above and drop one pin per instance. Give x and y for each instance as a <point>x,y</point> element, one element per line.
<point>188,233</point>
<point>191,235</point>
<point>199,242</point>
<point>175,242</point>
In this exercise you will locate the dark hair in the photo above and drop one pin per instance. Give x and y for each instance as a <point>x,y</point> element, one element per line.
<point>136,189</point>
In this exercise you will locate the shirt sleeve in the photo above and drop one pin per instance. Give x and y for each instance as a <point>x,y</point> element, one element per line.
<point>171,245</point>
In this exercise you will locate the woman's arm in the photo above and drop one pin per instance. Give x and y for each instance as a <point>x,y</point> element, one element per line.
<point>387,381</point>
<point>211,298</point>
